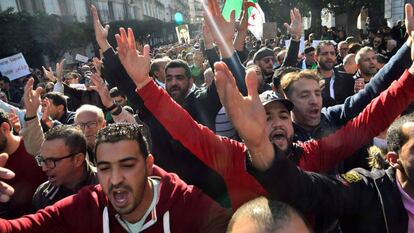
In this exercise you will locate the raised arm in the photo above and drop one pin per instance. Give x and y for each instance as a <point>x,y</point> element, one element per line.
<point>323,154</point>
<point>246,113</point>
<point>198,139</point>
<point>117,112</point>
<point>241,28</point>
<point>295,31</point>
<point>223,32</point>
<point>353,105</point>
<point>32,132</point>
<point>114,72</point>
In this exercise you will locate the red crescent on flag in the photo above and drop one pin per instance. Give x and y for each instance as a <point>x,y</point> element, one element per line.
<point>250,4</point>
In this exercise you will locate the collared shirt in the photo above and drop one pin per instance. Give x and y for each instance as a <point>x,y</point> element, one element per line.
<point>161,84</point>
<point>331,86</point>
<point>409,206</point>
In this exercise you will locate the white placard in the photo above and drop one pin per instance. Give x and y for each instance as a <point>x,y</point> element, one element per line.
<point>14,67</point>
<point>79,86</point>
<point>81,58</point>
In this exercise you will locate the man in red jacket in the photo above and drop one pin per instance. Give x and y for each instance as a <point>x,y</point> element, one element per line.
<point>28,176</point>
<point>133,195</point>
<point>261,124</point>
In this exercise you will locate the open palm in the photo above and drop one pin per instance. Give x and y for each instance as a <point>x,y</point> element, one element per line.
<point>136,65</point>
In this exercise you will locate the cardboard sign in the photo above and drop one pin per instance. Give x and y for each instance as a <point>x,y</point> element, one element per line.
<point>269,30</point>
<point>14,67</point>
<point>81,58</point>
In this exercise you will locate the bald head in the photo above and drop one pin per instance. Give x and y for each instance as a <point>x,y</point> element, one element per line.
<point>350,65</point>
<point>262,215</point>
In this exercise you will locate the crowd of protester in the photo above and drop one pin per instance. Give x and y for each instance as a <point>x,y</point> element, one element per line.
<point>223,134</point>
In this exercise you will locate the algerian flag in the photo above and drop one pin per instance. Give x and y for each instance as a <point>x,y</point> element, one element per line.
<point>256,15</point>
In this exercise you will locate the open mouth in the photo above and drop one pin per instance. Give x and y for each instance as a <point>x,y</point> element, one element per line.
<point>278,137</point>
<point>314,112</point>
<point>120,198</point>
<point>52,179</point>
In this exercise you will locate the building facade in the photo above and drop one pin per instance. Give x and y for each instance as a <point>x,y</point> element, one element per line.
<point>109,10</point>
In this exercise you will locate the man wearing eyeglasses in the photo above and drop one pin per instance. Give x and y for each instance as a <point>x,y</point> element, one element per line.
<point>342,52</point>
<point>62,158</point>
<point>90,119</point>
<point>134,195</point>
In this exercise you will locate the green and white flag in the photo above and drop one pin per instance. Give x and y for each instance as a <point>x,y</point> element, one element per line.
<point>256,15</point>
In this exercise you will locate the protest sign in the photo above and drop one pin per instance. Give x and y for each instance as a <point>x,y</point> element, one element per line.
<point>14,67</point>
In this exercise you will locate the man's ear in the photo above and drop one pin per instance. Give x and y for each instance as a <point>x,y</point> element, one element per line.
<point>5,127</point>
<point>393,159</point>
<point>79,159</point>
<point>61,108</point>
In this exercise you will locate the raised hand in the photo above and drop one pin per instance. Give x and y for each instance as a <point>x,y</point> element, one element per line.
<point>241,27</point>
<point>6,191</point>
<point>242,23</point>
<point>14,120</point>
<point>59,70</point>
<point>97,64</point>
<point>31,98</point>
<point>101,33</point>
<point>246,113</point>
<point>49,74</point>
<point>136,65</point>
<point>46,113</point>
<point>100,87</point>
<point>295,26</point>
<point>221,30</point>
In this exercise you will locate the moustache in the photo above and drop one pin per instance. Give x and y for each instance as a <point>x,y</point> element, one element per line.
<point>120,186</point>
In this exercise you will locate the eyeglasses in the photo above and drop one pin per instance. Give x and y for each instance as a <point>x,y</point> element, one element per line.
<point>51,162</point>
<point>89,125</point>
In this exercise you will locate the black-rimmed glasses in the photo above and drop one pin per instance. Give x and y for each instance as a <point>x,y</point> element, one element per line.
<point>89,125</point>
<point>51,162</point>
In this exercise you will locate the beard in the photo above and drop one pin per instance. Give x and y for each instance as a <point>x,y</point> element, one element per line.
<point>324,66</point>
<point>178,95</point>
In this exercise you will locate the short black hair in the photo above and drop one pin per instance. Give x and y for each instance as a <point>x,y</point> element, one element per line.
<point>5,79</point>
<point>114,92</point>
<point>395,136</point>
<point>124,131</point>
<point>323,43</point>
<point>178,63</point>
<point>57,98</point>
<point>4,117</point>
<point>73,137</point>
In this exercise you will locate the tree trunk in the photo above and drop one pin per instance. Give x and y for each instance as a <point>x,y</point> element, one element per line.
<point>351,26</point>
<point>316,20</point>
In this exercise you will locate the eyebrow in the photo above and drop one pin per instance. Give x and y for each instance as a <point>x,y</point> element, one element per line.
<point>119,161</point>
